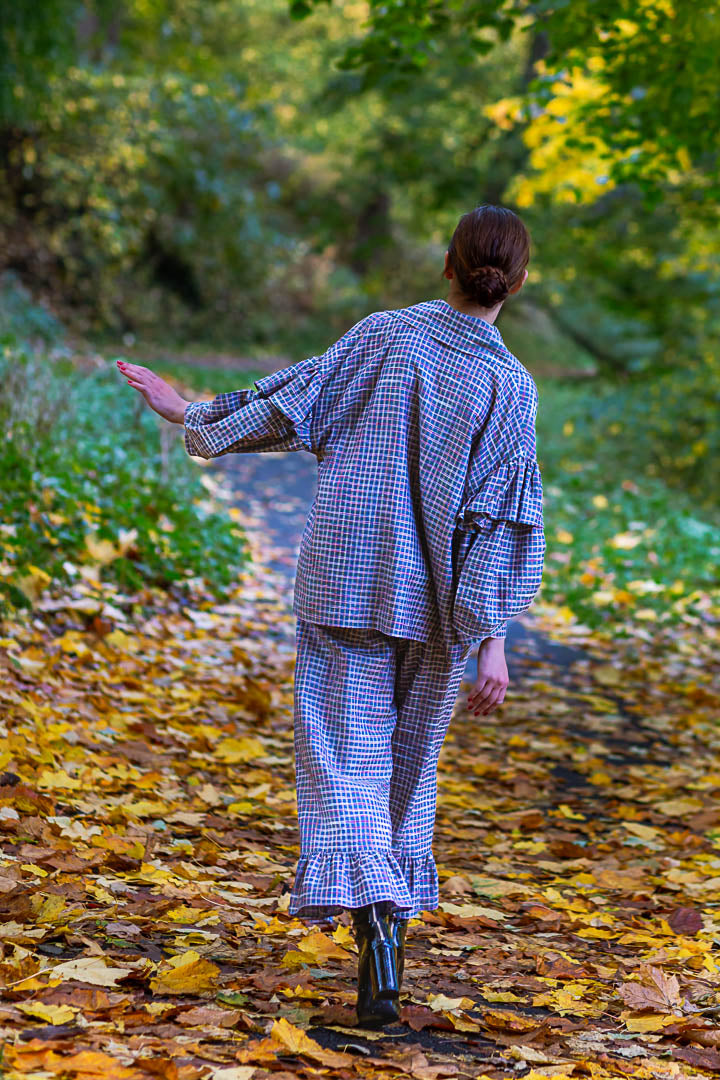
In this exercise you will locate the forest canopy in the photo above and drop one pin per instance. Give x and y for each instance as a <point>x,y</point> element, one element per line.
<point>193,165</point>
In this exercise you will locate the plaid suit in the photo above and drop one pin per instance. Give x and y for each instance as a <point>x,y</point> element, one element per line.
<point>426,532</point>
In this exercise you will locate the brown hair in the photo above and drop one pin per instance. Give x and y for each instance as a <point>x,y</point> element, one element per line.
<point>488,252</point>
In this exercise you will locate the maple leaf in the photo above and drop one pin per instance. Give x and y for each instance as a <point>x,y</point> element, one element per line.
<point>315,948</point>
<point>286,1036</point>
<point>656,992</point>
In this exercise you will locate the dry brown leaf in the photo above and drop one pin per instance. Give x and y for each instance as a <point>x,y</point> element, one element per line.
<point>686,921</point>
<point>209,1014</point>
<point>90,969</point>
<point>657,992</point>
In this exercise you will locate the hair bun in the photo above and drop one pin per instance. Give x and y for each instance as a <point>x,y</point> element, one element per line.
<point>488,253</point>
<point>487,285</point>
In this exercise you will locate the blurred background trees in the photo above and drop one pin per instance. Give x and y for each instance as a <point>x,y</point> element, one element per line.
<point>161,159</point>
<point>261,173</point>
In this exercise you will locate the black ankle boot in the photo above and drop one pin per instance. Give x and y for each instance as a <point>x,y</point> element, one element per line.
<point>378,986</point>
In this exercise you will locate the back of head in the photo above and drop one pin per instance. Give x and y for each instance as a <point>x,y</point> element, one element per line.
<point>488,253</point>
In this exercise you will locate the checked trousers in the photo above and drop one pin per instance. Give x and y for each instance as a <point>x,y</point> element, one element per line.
<point>371,714</point>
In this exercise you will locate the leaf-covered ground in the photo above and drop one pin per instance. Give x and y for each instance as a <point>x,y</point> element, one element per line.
<point>148,835</point>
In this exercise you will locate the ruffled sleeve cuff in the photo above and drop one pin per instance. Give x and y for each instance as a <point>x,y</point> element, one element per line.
<point>511,492</point>
<point>501,551</point>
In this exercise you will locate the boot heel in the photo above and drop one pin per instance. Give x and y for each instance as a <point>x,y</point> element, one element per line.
<point>398,929</point>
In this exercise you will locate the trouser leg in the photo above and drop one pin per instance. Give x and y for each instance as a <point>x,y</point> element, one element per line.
<point>428,677</point>
<point>344,720</point>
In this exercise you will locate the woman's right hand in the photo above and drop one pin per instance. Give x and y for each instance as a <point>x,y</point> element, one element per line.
<point>492,678</point>
<point>159,395</point>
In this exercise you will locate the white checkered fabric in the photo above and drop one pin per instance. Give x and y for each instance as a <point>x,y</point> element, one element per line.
<point>427,522</point>
<point>371,713</point>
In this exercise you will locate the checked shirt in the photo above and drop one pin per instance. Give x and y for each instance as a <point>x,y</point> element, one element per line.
<point>428,520</point>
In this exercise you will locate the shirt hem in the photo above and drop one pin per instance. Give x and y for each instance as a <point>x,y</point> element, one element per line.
<point>364,622</point>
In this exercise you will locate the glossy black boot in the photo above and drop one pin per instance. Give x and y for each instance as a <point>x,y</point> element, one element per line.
<point>378,986</point>
<point>398,930</point>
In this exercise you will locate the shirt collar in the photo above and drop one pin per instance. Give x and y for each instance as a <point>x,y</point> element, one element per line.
<point>452,327</point>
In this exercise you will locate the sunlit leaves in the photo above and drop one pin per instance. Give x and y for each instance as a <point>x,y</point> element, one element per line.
<point>649,115</point>
<point>149,840</point>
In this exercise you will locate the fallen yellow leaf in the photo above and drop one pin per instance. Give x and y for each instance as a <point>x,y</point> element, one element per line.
<point>188,974</point>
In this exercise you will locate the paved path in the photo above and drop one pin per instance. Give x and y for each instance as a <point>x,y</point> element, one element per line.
<point>276,490</point>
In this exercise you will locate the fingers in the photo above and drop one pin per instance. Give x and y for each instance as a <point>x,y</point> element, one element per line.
<point>125,365</point>
<point>139,386</point>
<point>476,692</point>
<point>136,372</point>
<point>486,696</point>
<point>491,703</point>
<point>137,376</point>
<point>133,380</point>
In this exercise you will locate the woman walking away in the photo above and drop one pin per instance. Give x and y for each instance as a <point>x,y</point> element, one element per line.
<point>424,538</point>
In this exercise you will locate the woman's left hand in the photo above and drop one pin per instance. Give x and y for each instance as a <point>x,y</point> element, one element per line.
<point>492,678</point>
<point>159,395</point>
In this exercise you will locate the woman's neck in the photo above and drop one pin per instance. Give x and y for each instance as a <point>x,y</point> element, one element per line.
<point>460,303</point>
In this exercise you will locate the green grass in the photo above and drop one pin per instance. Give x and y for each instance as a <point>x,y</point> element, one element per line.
<point>91,485</point>
<point>629,541</point>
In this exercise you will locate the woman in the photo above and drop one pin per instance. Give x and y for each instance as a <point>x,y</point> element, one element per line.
<point>424,538</point>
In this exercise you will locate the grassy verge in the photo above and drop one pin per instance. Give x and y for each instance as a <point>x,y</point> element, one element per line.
<point>625,549</point>
<point>96,487</point>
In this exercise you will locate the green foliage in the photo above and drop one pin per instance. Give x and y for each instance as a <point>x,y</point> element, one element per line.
<point>638,288</point>
<point>625,475</point>
<point>83,465</point>
<point>207,172</point>
<point>664,428</point>
<point>204,174</point>
<point>146,192</point>
<point>37,40</point>
<point>23,319</point>
<point>658,62</point>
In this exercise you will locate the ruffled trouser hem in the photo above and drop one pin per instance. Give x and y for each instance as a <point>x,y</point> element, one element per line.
<point>329,882</point>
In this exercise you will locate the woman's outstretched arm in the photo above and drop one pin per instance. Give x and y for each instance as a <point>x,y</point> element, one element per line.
<point>276,415</point>
<point>242,421</point>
